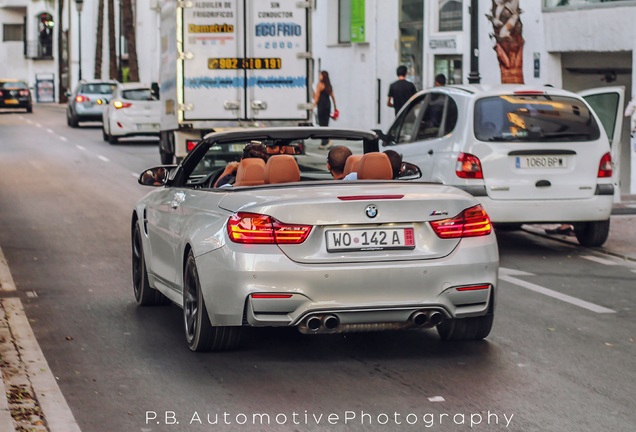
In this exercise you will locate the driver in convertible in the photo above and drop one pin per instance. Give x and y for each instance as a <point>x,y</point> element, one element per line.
<point>255,149</point>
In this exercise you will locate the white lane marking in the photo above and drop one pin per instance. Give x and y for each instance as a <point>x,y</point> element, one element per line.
<point>54,407</point>
<point>80,147</point>
<point>135,175</point>
<point>63,138</point>
<point>32,294</point>
<point>29,121</point>
<point>436,399</point>
<point>6,281</point>
<point>38,125</point>
<point>557,295</point>
<point>103,158</point>
<point>599,260</point>
<point>50,131</point>
<point>513,272</point>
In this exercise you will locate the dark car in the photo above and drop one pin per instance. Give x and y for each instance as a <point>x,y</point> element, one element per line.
<point>88,101</point>
<point>15,94</point>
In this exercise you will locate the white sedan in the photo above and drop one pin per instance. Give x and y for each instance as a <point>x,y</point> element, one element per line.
<point>133,111</point>
<point>287,246</point>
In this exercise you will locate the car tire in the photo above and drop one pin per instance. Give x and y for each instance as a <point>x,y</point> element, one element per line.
<point>145,295</point>
<point>104,134</point>
<point>200,334</point>
<point>166,158</point>
<point>592,234</point>
<point>466,328</point>
<point>73,121</point>
<point>112,139</point>
<point>29,109</point>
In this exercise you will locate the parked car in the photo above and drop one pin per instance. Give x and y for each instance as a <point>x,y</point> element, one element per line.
<point>87,102</point>
<point>132,111</point>
<point>288,246</point>
<point>528,154</point>
<point>15,94</point>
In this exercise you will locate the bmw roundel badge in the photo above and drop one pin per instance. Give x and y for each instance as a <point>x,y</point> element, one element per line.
<point>371,211</point>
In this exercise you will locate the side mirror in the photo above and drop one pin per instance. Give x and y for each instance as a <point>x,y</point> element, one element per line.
<point>67,93</point>
<point>380,134</point>
<point>409,171</point>
<point>157,176</point>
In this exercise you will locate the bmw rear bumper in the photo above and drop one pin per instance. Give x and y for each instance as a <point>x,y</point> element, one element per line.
<point>356,293</point>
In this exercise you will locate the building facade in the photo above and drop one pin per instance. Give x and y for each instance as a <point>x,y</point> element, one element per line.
<point>573,44</point>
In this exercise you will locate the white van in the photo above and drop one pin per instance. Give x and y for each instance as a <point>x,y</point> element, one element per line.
<point>530,154</point>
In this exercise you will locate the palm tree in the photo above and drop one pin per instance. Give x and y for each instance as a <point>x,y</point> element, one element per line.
<point>129,29</point>
<point>112,46</point>
<point>99,42</point>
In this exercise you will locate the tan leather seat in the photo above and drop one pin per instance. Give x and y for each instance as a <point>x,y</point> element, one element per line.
<point>375,166</point>
<point>351,164</point>
<point>281,169</point>
<point>250,172</point>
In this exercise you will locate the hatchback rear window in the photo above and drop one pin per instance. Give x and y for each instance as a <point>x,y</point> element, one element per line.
<point>543,118</point>
<point>13,85</point>
<point>139,95</point>
<point>104,89</point>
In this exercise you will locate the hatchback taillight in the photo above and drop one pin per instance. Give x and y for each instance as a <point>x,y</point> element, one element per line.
<point>253,228</point>
<point>605,167</point>
<point>472,222</point>
<point>468,167</point>
<point>80,99</point>
<point>119,104</point>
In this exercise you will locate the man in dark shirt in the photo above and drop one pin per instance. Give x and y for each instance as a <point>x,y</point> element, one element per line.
<point>401,90</point>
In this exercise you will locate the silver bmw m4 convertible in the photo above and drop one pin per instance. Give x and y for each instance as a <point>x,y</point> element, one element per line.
<point>252,229</point>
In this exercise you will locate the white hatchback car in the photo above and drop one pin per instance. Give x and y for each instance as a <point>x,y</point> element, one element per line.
<point>529,155</point>
<point>134,110</point>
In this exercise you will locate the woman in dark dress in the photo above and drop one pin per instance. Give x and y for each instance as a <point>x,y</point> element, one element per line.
<point>322,101</point>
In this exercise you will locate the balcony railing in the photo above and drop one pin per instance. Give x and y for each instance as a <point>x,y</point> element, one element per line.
<point>35,50</point>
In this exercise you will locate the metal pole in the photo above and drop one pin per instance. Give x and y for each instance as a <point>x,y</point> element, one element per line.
<point>120,76</point>
<point>473,77</point>
<point>79,43</point>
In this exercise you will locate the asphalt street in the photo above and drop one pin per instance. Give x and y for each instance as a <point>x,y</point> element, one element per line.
<point>560,357</point>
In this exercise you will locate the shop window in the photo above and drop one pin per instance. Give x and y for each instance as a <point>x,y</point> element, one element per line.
<point>344,21</point>
<point>450,15</point>
<point>12,32</point>
<point>412,39</point>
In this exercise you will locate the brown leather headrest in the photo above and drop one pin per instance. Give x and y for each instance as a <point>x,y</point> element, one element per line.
<point>375,166</point>
<point>250,172</point>
<point>351,165</point>
<point>281,169</point>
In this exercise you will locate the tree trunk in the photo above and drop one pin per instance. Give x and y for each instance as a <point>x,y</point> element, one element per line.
<point>506,23</point>
<point>99,41</point>
<point>129,29</point>
<point>112,46</point>
<point>62,57</point>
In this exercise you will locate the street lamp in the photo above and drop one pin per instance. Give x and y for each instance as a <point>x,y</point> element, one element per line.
<point>79,5</point>
<point>473,77</point>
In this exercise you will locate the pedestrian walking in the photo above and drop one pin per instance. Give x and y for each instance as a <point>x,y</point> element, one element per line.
<point>322,102</point>
<point>630,111</point>
<point>401,90</point>
<point>440,80</point>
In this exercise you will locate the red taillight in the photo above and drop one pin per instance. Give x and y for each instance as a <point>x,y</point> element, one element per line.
<point>605,167</point>
<point>473,288</point>
<point>119,104</point>
<point>80,99</point>
<point>271,296</point>
<point>252,228</point>
<point>24,92</point>
<point>472,222</point>
<point>191,144</point>
<point>529,92</point>
<point>468,167</point>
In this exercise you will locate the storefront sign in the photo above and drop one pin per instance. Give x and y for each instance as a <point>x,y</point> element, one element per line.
<point>445,45</point>
<point>358,29</point>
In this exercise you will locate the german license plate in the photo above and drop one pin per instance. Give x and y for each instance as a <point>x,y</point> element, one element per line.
<point>540,162</point>
<point>370,239</point>
<point>11,101</point>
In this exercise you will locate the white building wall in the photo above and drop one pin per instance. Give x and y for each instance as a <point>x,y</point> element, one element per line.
<point>12,61</point>
<point>354,69</point>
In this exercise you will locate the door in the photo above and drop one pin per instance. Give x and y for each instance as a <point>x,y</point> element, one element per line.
<point>211,58</point>
<point>275,66</point>
<point>421,133</point>
<point>608,103</point>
